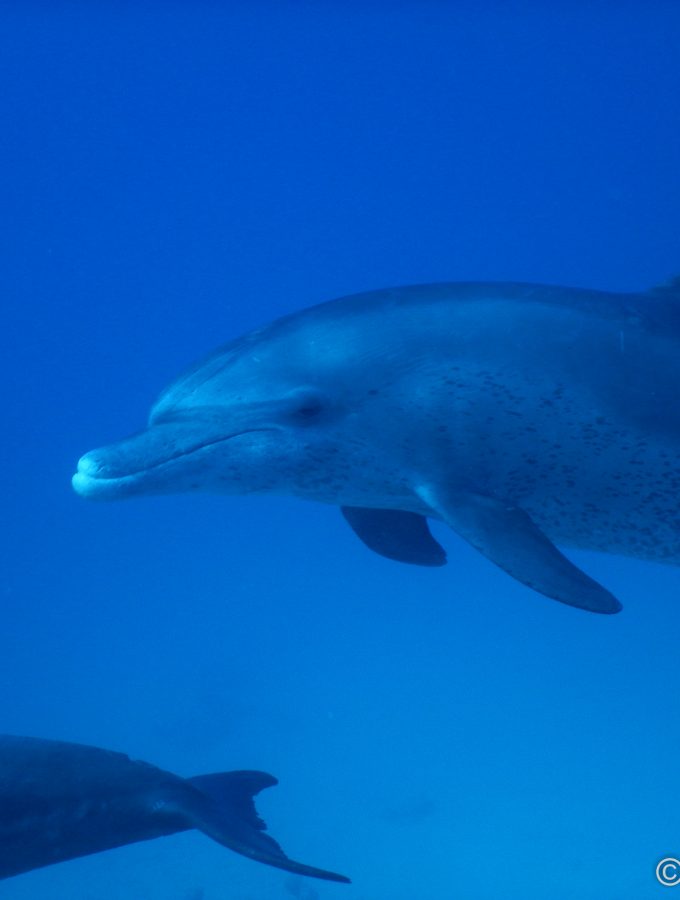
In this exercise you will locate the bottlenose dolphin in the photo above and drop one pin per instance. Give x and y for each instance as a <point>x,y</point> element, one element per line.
<point>522,415</point>
<point>59,801</point>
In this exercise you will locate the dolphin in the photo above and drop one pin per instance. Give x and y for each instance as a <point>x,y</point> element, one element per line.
<point>524,416</point>
<point>59,801</point>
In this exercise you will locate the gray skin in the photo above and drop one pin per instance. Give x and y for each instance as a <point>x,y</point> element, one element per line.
<point>521,415</point>
<point>59,801</point>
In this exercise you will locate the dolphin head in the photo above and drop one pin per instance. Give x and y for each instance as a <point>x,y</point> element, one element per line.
<point>276,411</point>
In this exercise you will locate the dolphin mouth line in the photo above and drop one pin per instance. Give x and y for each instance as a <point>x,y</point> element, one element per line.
<point>84,463</point>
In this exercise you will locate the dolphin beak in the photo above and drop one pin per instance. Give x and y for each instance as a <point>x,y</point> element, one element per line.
<point>156,461</point>
<point>122,469</point>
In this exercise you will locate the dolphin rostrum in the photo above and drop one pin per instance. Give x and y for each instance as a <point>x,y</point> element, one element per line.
<point>523,416</point>
<point>59,801</point>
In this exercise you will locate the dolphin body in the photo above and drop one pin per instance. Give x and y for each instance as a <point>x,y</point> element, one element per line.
<point>522,415</point>
<point>59,801</point>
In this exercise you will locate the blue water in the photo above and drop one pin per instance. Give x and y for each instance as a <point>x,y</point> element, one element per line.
<point>174,174</point>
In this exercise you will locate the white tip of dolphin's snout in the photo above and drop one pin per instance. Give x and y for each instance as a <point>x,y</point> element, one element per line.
<point>88,465</point>
<point>94,481</point>
<point>86,481</point>
<point>136,465</point>
<point>79,484</point>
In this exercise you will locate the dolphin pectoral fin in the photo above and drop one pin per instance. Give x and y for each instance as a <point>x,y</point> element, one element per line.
<point>402,536</point>
<point>509,538</point>
<point>225,811</point>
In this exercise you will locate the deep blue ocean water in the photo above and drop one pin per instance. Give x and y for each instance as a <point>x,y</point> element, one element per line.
<point>174,174</point>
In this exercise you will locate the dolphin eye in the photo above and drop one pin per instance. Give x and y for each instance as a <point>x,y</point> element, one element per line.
<point>309,409</point>
<point>307,405</point>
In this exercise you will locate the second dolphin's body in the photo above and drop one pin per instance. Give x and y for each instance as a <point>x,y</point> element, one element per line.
<point>59,801</point>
